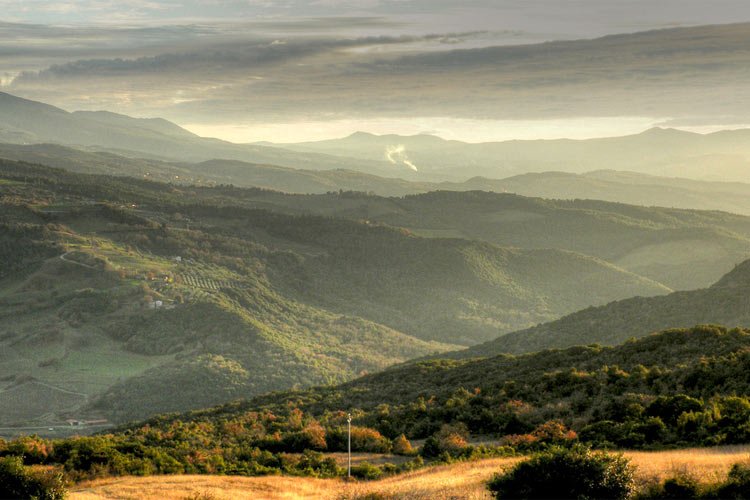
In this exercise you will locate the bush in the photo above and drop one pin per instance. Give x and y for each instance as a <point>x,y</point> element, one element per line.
<point>567,473</point>
<point>402,446</point>
<point>18,481</point>
<point>413,464</point>
<point>554,432</point>
<point>680,487</point>
<point>364,439</point>
<point>312,437</point>
<point>737,484</point>
<point>450,440</point>
<point>366,470</point>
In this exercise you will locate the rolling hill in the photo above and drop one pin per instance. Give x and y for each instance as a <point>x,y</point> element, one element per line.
<point>121,288</point>
<point>209,172</point>
<point>607,185</point>
<point>622,187</point>
<point>683,249</point>
<point>677,387</point>
<point>726,302</point>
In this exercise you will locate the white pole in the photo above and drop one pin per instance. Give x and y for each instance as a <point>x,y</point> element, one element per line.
<point>349,425</point>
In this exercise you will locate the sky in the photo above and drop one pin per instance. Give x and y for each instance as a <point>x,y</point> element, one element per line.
<point>476,70</point>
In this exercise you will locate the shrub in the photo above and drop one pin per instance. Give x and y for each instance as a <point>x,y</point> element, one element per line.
<point>412,464</point>
<point>450,439</point>
<point>366,470</point>
<point>519,441</point>
<point>737,484</point>
<point>364,439</point>
<point>669,408</point>
<point>312,437</point>
<point>33,449</point>
<point>567,473</point>
<point>402,446</point>
<point>681,487</point>
<point>554,432</point>
<point>601,434</point>
<point>18,481</point>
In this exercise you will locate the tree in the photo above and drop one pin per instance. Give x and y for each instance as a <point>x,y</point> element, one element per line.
<point>402,446</point>
<point>562,473</point>
<point>18,481</point>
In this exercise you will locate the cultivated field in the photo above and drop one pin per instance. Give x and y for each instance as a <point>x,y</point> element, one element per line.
<point>463,480</point>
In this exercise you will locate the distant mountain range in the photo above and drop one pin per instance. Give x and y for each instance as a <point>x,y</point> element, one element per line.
<point>29,122</point>
<point>663,152</point>
<point>666,152</point>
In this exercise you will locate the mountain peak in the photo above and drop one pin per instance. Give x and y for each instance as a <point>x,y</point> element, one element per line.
<point>667,132</point>
<point>360,135</point>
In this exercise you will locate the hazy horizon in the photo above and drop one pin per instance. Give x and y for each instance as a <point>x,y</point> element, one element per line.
<point>302,70</point>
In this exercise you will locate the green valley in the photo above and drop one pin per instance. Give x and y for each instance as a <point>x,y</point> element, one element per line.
<point>116,290</point>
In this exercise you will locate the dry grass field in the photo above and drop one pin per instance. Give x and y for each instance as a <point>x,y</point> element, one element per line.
<point>463,480</point>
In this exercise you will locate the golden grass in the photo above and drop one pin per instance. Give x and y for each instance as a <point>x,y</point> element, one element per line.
<point>216,487</point>
<point>462,480</point>
<point>704,464</point>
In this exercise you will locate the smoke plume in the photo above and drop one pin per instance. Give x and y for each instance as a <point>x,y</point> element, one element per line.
<point>397,155</point>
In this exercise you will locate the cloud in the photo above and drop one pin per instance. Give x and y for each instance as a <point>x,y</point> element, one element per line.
<point>311,69</point>
<point>217,59</point>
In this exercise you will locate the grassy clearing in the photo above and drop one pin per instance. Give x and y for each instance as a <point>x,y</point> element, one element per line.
<point>707,465</point>
<point>462,480</point>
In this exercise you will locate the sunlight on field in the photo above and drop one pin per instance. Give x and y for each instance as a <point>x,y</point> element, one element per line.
<point>215,487</point>
<point>463,480</point>
<point>705,464</point>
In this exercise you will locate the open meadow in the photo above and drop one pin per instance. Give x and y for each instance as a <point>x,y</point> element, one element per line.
<point>460,480</point>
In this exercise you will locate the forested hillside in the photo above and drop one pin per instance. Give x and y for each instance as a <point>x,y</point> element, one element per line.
<point>608,185</point>
<point>129,287</point>
<point>683,249</point>
<point>676,388</point>
<point>211,172</point>
<point>726,302</point>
